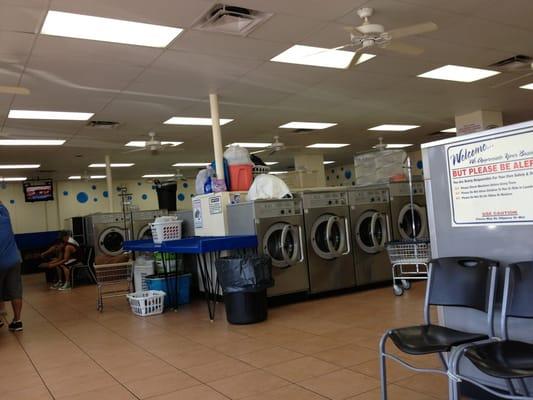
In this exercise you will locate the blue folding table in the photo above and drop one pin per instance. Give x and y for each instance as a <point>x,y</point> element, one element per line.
<point>207,249</point>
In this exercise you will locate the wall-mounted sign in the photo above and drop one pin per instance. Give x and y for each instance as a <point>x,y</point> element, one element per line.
<point>491,180</point>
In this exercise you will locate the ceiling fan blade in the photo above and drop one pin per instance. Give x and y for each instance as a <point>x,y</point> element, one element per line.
<point>417,29</point>
<point>14,90</point>
<point>260,151</point>
<point>511,80</point>
<point>403,48</point>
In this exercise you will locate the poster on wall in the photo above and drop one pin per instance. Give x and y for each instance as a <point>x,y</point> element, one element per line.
<point>491,180</point>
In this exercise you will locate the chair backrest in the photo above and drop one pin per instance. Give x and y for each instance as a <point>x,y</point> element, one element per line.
<point>517,293</point>
<point>462,282</point>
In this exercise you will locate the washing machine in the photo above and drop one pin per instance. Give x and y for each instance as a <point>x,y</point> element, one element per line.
<point>106,233</point>
<point>328,240</point>
<point>370,228</point>
<point>141,223</point>
<point>279,226</point>
<point>401,216</point>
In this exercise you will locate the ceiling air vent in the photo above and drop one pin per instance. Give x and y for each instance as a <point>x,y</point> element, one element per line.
<point>513,63</point>
<point>232,20</point>
<point>103,124</point>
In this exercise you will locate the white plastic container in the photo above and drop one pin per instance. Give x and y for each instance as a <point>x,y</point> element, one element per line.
<point>146,303</point>
<point>142,268</point>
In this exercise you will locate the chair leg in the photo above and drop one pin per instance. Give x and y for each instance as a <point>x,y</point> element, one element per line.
<point>453,389</point>
<point>383,366</point>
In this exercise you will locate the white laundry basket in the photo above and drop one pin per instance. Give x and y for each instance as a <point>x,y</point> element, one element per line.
<point>166,230</point>
<point>146,303</point>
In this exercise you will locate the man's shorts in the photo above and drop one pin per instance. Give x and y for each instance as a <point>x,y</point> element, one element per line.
<point>10,283</point>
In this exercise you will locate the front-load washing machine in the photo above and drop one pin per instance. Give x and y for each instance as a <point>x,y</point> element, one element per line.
<point>141,223</point>
<point>279,226</point>
<point>401,215</point>
<point>328,241</point>
<point>106,233</point>
<point>370,228</point>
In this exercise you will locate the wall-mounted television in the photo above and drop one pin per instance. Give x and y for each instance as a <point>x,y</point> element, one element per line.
<point>38,191</point>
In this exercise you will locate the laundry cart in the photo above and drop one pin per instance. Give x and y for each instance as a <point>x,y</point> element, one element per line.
<point>112,280</point>
<point>409,259</point>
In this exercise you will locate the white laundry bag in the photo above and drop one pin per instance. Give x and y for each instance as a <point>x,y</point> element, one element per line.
<point>268,187</point>
<point>237,155</point>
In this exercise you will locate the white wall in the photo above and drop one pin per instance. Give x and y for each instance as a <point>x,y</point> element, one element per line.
<point>68,202</point>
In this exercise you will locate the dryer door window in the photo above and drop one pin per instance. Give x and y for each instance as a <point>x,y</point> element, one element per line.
<point>405,222</point>
<point>111,241</point>
<point>328,236</point>
<point>281,243</point>
<point>145,233</point>
<point>371,232</point>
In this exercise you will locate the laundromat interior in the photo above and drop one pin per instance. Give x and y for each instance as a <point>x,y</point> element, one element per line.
<point>252,199</point>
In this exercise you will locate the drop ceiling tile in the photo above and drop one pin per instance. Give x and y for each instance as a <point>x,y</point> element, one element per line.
<point>15,47</point>
<point>21,18</point>
<point>455,6</point>
<point>288,29</point>
<point>180,13</point>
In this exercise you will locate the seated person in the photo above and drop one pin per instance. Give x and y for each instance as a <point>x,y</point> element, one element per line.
<point>71,254</point>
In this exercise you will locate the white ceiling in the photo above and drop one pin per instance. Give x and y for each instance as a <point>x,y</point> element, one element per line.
<point>141,87</point>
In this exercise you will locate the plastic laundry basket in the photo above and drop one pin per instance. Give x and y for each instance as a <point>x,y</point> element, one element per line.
<point>146,303</point>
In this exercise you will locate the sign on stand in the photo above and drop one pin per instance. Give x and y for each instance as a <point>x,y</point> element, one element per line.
<point>491,180</point>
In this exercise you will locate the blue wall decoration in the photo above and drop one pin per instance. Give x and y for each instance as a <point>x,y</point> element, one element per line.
<point>139,183</point>
<point>181,197</point>
<point>82,197</point>
<point>65,193</point>
<point>348,174</point>
<point>105,194</point>
<point>144,197</point>
<point>93,187</point>
<point>420,164</point>
<point>11,201</point>
<point>95,199</point>
<point>185,185</point>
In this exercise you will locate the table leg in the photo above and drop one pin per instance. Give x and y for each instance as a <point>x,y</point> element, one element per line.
<point>206,263</point>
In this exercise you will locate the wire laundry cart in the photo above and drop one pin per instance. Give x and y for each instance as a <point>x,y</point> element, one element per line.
<point>409,259</point>
<point>112,280</point>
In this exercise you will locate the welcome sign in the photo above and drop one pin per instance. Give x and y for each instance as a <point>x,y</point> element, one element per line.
<point>491,180</point>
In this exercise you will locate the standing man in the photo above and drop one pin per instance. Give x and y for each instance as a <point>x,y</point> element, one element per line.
<point>10,280</point>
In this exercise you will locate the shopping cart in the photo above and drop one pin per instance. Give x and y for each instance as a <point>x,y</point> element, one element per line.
<point>112,280</point>
<point>409,259</point>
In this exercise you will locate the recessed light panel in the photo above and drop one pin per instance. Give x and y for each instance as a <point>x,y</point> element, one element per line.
<point>52,115</point>
<point>191,164</point>
<point>364,57</point>
<point>308,125</point>
<point>278,172</point>
<point>250,145</point>
<point>74,177</point>
<point>271,162</point>
<point>13,179</point>
<point>316,56</point>
<point>327,145</point>
<point>529,86</point>
<point>194,121</point>
<point>458,73</point>
<point>393,127</point>
<point>80,26</point>
<point>19,166</point>
<point>328,162</point>
<point>159,176</point>
<point>450,130</point>
<point>142,143</point>
<point>31,142</point>
<point>113,165</point>
<point>391,146</point>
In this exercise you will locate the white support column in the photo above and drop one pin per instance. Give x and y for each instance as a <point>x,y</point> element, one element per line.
<point>217,136</point>
<point>109,180</point>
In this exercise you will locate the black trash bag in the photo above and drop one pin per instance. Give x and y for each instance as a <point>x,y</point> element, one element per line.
<point>244,274</point>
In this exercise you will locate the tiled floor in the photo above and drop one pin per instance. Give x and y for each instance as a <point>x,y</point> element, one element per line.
<point>322,349</point>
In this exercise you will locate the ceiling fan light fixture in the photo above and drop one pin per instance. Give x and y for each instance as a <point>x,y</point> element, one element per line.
<point>315,56</point>
<point>458,73</point>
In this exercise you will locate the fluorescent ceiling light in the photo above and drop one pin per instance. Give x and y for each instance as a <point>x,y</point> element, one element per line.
<point>450,130</point>
<point>308,125</point>
<point>78,177</point>
<point>250,145</point>
<point>328,162</point>
<point>55,115</point>
<point>80,26</point>
<point>278,172</point>
<point>13,179</point>
<point>19,166</point>
<point>191,164</point>
<point>31,142</point>
<point>194,121</point>
<point>74,177</point>
<point>113,165</point>
<point>529,86</point>
<point>271,162</point>
<point>142,143</point>
<point>394,146</point>
<point>458,73</point>
<point>97,177</point>
<point>159,176</point>
<point>393,127</point>
<point>327,145</point>
<point>319,57</point>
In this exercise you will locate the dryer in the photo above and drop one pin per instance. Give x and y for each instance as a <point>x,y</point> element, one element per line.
<point>401,216</point>
<point>279,226</point>
<point>370,227</point>
<point>141,223</point>
<point>328,241</point>
<point>106,233</point>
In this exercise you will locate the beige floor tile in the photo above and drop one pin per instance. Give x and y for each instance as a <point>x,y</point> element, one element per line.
<point>140,371</point>
<point>76,384</point>
<point>36,392</point>
<point>429,384</point>
<point>291,392</point>
<point>311,345</point>
<point>218,370</point>
<point>340,384</point>
<point>269,356</point>
<point>347,356</point>
<point>249,384</point>
<point>160,384</point>
<point>194,358</point>
<point>201,392</point>
<point>394,393</point>
<point>395,371</point>
<point>109,393</point>
<point>301,369</point>
<point>241,347</point>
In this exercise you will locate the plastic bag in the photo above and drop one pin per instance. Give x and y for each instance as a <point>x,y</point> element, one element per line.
<point>246,274</point>
<point>268,187</point>
<point>237,155</point>
<point>201,179</point>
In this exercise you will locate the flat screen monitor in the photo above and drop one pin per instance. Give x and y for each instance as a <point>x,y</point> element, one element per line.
<point>38,191</point>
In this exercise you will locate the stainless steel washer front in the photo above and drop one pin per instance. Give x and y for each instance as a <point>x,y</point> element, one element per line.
<point>401,215</point>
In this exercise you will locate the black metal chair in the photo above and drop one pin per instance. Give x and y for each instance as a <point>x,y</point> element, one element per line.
<point>455,282</point>
<point>509,360</point>
<point>86,264</point>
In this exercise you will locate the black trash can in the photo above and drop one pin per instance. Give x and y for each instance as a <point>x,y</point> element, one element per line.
<point>245,281</point>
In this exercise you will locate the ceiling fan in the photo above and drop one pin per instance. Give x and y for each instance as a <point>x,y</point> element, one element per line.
<point>274,147</point>
<point>369,35</point>
<point>153,145</point>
